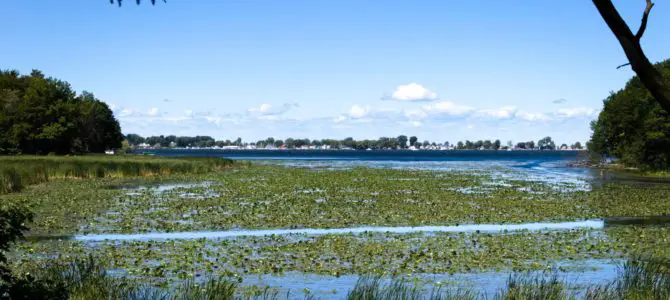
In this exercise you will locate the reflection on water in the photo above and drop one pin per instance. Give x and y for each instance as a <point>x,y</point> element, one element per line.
<point>489,228</point>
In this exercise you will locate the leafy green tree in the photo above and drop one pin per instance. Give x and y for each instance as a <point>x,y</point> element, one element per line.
<point>496,145</point>
<point>402,141</point>
<point>546,144</point>
<point>633,127</point>
<point>460,145</point>
<point>43,115</point>
<point>413,140</point>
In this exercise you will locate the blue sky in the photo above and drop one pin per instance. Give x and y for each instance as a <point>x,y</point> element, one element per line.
<point>440,70</point>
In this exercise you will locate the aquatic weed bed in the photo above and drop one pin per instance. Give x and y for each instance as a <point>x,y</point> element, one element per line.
<point>277,197</point>
<point>271,197</point>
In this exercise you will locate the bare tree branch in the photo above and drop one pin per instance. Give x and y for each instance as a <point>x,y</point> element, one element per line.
<point>645,16</point>
<point>621,66</point>
<point>153,2</point>
<point>650,77</point>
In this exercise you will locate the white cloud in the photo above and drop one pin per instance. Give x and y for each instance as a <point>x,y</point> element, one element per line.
<point>152,112</point>
<point>505,112</point>
<point>339,119</point>
<point>188,113</point>
<point>448,108</point>
<point>575,112</point>
<point>358,112</point>
<point>267,109</point>
<point>529,116</point>
<point>411,92</point>
<point>126,112</point>
<point>559,101</point>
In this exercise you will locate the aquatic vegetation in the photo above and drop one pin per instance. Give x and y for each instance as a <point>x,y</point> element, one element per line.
<point>249,198</point>
<point>275,197</point>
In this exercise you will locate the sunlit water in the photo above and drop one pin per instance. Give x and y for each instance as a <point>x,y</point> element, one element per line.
<point>484,228</point>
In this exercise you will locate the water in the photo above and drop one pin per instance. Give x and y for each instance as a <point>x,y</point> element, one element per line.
<point>485,228</point>
<point>485,283</point>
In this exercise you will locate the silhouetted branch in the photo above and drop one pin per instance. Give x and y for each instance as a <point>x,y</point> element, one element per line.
<point>153,2</point>
<point>645,16</point>
<point>645,70</point>
<point>621,66</point>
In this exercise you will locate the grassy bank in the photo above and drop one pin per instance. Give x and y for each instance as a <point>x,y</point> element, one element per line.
<point>17,172</point>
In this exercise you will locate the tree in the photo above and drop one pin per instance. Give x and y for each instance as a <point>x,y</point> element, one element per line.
<point>460,145</point>
<point>153,2</point>
<point>496,145</point>
<point>413,140</point>
<point>633,126</point>
<point>546,144</point>
<point>576,146</point>
<point>488,145</point>
<point>402,141</point>
<point>134,139</point>
<point>43,115</point>
<point>650,77</point>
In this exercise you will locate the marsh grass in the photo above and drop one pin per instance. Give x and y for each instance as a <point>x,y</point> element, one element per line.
<point>87,279</point>
<point>17,172</point>
<point>374,288</point>
<point>535,287</point>
<point>638,280</point>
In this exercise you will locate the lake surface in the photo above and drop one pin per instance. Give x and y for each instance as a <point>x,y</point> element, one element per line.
<point>502,166</point>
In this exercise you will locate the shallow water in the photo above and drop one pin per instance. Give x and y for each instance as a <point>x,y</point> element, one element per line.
<point>487,228</point>
<point>485,283</point>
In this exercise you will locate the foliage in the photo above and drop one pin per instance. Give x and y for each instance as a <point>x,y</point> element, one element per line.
<point>16,172</point>
<point>42,115</point>
<point>13,218</point>
<point>546,144</point>
<point>633,127</point>
<point>640,279</point>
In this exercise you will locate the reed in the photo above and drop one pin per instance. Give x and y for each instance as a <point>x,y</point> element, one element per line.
<point>17,172</point>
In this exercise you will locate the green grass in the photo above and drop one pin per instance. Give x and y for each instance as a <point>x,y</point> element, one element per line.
<point>17,172</point>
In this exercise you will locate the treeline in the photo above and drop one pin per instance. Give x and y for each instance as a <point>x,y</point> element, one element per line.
<point>400,142</point>
<point>633,127</point>
<point>41,115</point>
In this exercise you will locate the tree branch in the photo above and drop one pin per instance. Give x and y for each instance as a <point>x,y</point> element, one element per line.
<point>650,77</point>
<point>645,17</point>
<point>621,66</point>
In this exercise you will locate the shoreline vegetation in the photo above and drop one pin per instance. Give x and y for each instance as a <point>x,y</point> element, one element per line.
<point>402,142</point>
<point>18,172</point>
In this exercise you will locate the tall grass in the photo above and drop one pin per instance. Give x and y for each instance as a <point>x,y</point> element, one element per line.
<point>535,288</point>
<point>374,288</point>
<point>638,280</point>
<point>17,172</point>
<point>87,279</point>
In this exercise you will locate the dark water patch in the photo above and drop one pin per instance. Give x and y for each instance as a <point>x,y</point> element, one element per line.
<point>638,221</point>
<point>45,238</point>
